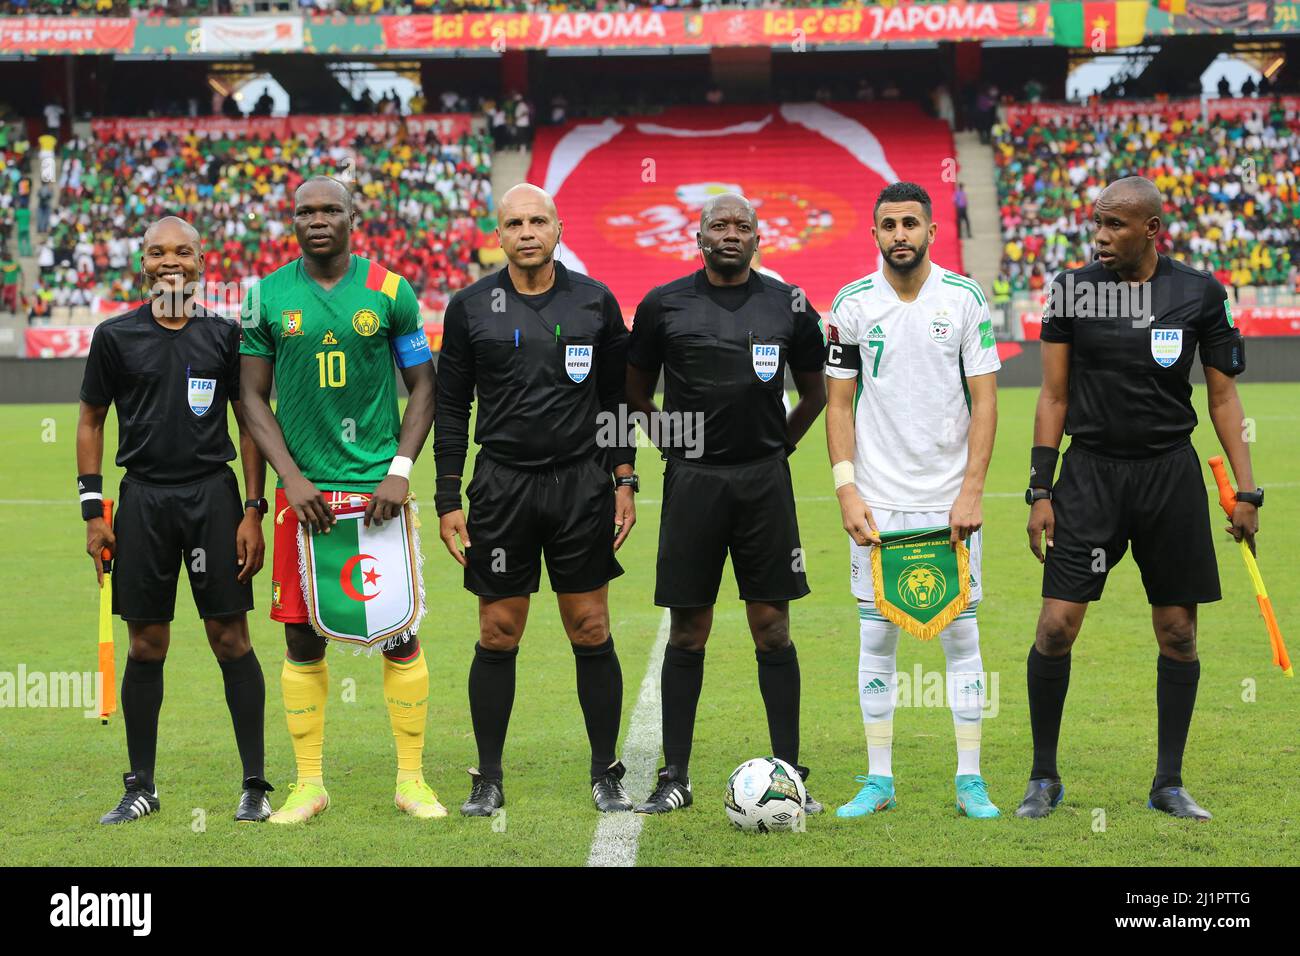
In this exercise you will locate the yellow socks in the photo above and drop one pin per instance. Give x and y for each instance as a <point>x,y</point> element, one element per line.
<point>406,691</point>
<point>305,686</point>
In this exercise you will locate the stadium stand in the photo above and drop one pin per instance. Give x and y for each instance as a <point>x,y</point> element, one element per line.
<point>1231,187</point>
<point>424,205</point>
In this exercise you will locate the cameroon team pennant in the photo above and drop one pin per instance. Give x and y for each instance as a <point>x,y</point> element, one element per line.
<point>921,583</point>
<point>1115,24</point>
<point>363,585</point>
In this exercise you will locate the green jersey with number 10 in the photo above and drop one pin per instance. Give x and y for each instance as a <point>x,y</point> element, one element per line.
<point>333,352</point>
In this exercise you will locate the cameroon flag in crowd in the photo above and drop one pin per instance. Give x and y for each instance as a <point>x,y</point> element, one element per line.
<point>1118,23</point>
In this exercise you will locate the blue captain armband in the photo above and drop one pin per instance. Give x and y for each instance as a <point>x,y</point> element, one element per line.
<point>412,349</point>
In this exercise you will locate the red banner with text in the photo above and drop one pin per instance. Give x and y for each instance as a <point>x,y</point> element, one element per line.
<point>1231,108</point>
<point>334,128</point>
<point>74,34</point>
<point>649,28</point>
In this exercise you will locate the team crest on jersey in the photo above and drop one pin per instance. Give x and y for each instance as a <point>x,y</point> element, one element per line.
<point>577,361</point>
<point>365,322</point>
<point>290,323</point>
<point>201,393</point>
<point>329,338</point>
<point>767,359</point>
<point>940,326</point>
<point>1166,346</point>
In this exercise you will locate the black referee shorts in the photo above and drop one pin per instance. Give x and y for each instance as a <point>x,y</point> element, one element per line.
<point>1158,504</point>
<point>746,509</point>
<point>160,527</point>
<point>515,517</point>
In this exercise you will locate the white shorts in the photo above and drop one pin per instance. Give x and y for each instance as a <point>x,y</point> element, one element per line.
<point>860,556</point>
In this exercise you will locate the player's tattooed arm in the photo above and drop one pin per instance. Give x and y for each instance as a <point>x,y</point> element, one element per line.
<point>90,459</point>
<point>390,495</point>
<point>858,520</point>
<point>1049,428</point>
<point>304,498</point>
<point>1228,416</point>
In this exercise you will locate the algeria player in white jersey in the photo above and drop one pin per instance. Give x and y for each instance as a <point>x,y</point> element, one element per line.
<point>910,418</point>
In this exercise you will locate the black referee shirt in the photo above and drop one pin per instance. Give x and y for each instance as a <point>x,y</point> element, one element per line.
<point>1129,395</point>
<point>170,388</point>
<point>545,366</point>
<point>724,351</point>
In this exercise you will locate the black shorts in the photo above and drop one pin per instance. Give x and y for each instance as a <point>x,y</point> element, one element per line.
<point>515,517</point>
<point>746,509</point>
<point>160,527</point>
<point>1158,504</point>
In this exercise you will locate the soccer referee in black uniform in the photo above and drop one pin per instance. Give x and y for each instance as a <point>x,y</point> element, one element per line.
<point>724,336</point>
<point>1119,339</point>
<point>171,367</point>
<point>546,350</point>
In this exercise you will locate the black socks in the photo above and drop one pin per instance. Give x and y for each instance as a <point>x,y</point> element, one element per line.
<point>142,696</point>
<point>680,682</point>
<point>246,698</point>
<point>600,692</point>
<point>491,698</point>
<point>1049,679</point>
<point>778,682</point>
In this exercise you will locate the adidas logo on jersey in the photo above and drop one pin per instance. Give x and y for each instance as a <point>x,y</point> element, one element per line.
<point>876,333</point>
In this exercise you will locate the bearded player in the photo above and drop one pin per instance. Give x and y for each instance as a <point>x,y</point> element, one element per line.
<point>329,325</point>
<point>917,340</point>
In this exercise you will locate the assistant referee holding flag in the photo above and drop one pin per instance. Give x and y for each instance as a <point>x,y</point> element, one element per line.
<point>171,367</point>
<point>724,336</point>
<point>1119,339</point>
<point>545,348</point>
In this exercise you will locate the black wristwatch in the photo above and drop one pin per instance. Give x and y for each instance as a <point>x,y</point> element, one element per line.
<point>1037,494</point>
<point>259,504</point>
<point>1255,497</point>
<point>632,481</point>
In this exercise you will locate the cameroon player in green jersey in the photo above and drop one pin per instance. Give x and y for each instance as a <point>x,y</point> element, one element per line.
<point>329,326</point>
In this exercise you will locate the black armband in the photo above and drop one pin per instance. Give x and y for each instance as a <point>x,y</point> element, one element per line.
<point>1042,466</point>
<point>1229,357</point>
<point>91,490</point>
<point>446,495</point>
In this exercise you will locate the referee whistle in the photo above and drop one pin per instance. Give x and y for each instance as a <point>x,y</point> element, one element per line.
<point>1228,501</point>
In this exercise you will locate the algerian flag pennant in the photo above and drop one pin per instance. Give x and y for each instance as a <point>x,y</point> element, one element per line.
<point>921,583</point>
<point>363,585</point>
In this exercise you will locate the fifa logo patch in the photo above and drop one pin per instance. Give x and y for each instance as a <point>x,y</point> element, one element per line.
<point>577,362</point>
<point>290,323</point>
<point>365,322</point>
<point>767,359</point>
<point>1166,346</point>
<point>201,393</point>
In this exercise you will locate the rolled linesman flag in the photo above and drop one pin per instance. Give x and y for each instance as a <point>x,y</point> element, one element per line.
<point>921,583</point>
<point>107,665</point>
<point>363,585</point>
<point>1228,501</point>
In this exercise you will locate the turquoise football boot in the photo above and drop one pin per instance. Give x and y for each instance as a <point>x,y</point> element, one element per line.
<point>973,797</point>
<point>876,796</point>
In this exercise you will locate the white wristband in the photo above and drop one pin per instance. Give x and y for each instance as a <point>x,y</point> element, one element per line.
<point>842,472</point>
<point>401,467</point>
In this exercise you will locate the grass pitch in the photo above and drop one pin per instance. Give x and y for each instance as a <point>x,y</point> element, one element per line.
<point>62,770</point>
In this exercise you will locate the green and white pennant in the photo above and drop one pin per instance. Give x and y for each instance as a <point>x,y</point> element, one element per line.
<point>363,585</point>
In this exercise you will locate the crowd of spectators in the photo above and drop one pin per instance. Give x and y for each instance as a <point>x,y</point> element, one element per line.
<point>424,207</point>
<point>1231,187</point>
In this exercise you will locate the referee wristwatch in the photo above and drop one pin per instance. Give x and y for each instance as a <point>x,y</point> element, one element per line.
<point>1037,494</point>
<point>632,481</point>
<point>257,504</point>
<point>1255,497</point>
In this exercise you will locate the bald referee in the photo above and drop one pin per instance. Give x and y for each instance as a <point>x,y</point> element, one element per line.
<point>171,367</point>
<point>1120,336</point>
<point>545,349</point>
<point>724,337</point>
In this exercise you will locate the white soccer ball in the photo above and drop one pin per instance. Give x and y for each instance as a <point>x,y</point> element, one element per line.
<point>765,795</point>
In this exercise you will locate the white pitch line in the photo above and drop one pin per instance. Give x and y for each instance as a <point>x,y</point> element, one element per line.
<point>617,834</point>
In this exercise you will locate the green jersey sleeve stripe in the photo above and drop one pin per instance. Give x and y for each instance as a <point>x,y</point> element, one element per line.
<point>967,284</point>
<point>862,285</point>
